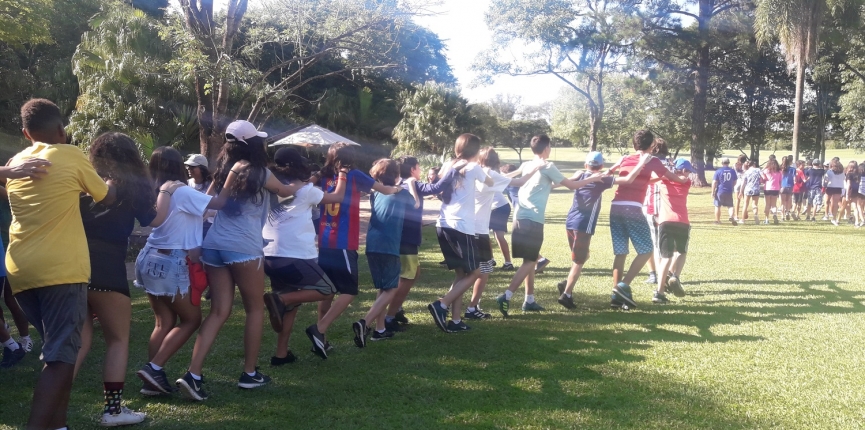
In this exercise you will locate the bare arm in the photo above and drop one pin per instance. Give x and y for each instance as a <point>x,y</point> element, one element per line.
<point>219,201</point>
<point>32,167</point>
<point>111,197</point>
<point>674,177</point>
<point>163,201</point>
<point>412,189</point>
<point>338,193</point>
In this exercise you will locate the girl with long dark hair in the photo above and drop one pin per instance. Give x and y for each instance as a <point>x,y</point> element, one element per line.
<point>115,156</point>
<point>232,252</point>
<point>162,268</point>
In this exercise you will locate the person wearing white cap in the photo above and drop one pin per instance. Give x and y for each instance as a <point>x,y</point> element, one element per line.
<point>200,179</point>
<point>233,253</point>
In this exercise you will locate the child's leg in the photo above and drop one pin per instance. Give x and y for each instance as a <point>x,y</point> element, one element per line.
<point>285,334</point>
<point>86,340</point>
<point>462,283</point>
<point>745,209</point>
<point>573,277</point>
<point>521,274</point>
<point>402,290</point>
<point>378,307</point>
<point>163,323</point>
<point>503,245</point>
<point>480,284</point>
<point>190,319</point>
<point>663,275</point>
<point>679,263</point>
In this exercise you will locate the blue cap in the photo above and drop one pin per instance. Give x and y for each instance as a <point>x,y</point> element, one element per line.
<point>683,164</point>
<point>595,158</point>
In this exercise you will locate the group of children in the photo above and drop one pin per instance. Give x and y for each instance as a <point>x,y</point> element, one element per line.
<point>808,188</point>
<point>250,218</point>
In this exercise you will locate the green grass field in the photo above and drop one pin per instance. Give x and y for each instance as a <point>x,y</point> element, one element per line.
<point>769,336</point>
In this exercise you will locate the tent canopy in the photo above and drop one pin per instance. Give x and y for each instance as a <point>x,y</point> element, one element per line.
<point>312,135</point>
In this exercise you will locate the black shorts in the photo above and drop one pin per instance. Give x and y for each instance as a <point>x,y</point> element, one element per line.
<point>833,191</point>
<point>769,193</point>
<point>499,218</point>
<point>485,250</point>
<point>786,190</point>
<point>799,197</point>
<point>459,249</point>
<point>340,265</point>
<point>673,238</point>
<point>108,267</point>
<point>407,249</point>
<point>579,242</point>
<point>295,274</point>
<point>526,240</point>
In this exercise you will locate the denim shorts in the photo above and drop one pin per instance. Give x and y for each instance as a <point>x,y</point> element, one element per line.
<point>815,197</point>
<point>628,222</point>
<point>220,258</point>
<point>162,273</point>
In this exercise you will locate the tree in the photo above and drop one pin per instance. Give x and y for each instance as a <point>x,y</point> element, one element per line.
<point>577,41</point>
<point>433,116</point>
<point>796,24</point>
<point>521,132</point>
<point>25,22</point>
<point>224,53</point>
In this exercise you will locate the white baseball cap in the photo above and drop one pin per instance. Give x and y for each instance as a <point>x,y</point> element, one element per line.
<point>242,130</point>
<point>196,160</point>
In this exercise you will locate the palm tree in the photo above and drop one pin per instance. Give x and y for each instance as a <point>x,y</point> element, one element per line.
<point>796,24</point>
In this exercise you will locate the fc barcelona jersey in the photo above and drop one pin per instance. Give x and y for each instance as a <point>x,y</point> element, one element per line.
<point>339,225</point>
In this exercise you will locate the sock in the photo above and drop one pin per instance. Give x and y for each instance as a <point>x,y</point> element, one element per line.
<point>194,376</point>
<point>509,262</point>
<point>251,374</point>
<point>113,394</point>
<point>155,367</point>
<point>400,309</point>
<point>443,306</point>
<point>653,273</point>
<point>457,321</point>
<point>388,319</point>
<point>508,294</point>
<point>530,298</point>
<point>568,295</point>
<point>380,331</point>
<point>471,309</point>
<point>26,339</point>
<point>11,344</point>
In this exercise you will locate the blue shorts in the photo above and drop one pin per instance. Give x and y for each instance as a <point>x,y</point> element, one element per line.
<point>384,269</point>
<point>162,272</point>
<point>628,222</point>
<point>220,258</point>
<point>725,200</point>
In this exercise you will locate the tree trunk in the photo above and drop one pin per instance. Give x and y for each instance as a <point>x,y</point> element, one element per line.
<point>701,88</point>
<point>797,108</point>
<point>710,158</point>
<point>594,125</point>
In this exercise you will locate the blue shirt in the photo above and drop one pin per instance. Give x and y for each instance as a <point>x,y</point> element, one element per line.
<point>411,227</point>
<point>386,221</point>
<point>815,178</point>
<point>586,208</point>
<point>788,177</point>
<point>726,179</point>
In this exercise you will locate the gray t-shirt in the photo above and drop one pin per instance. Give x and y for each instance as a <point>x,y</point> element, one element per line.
<point>241,233</point>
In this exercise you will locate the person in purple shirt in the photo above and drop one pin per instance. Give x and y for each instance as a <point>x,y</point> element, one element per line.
<point>723,183</point>
<point>409,171</point>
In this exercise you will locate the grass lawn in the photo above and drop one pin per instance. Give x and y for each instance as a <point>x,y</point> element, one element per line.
<point>768,337</point>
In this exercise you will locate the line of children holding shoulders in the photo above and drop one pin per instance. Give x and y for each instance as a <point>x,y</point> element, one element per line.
<point>802,190</point>
<point>263,225</point>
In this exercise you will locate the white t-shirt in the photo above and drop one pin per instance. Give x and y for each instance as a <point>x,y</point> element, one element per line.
<point>459,213</point>
<point>202,188</point>
<point>484,200</point>
<point>183,227</point>
<point>289,229</point>
<point>500,200</point>
<point>834,180</point>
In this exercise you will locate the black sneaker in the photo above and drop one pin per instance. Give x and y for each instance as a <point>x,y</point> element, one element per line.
<point>327,347</point>
<point>439,315</point>
<point>567,302</point>
<point>393,325</point>
<point>190,388</point>
<point>319,345</point>
<point>254,381</point>
<point>508,266</point>
<point>279,361</point>
<point>155,379</point>
<point>623,290</point>
<point>361,331</point>
<point>455,327</point>
<point>660,298</point>
<point>477,314</point>
<point>386,334</point>
<point>275,310</point>
<point>400,317</point>
<point>675,286</point>
<point>561,286</point>
<point>493,263</point>
<point>543,262</point>
<point>11,358</point>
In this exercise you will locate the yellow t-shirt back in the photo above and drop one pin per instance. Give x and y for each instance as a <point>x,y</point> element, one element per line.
<point>47,245</point>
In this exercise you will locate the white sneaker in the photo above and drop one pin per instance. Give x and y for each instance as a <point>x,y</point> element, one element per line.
<point>825,218</point>
<point>26,343</point>
<point>125,417</point>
